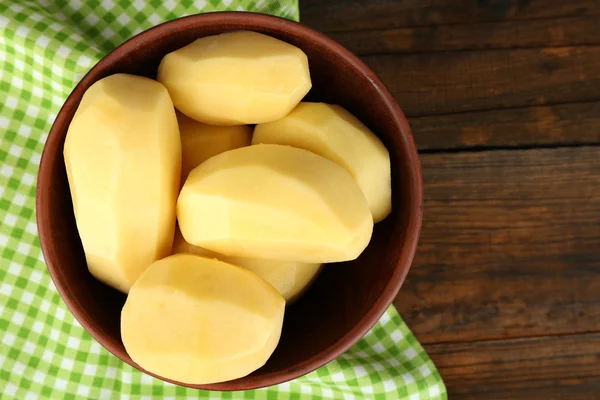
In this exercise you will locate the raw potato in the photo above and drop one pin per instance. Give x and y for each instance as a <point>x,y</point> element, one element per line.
<point>290,279</point>
<point>199,141</point>
<point>199,321</point>
<point>180,246</point>
<point>334,133</point>
<point>236,78</point>
<point>275,202</point>
<point>123,161</point>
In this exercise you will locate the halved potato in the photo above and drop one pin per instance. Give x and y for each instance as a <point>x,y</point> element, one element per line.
<point>275,202</point>
<point>332,132</point>
<point>236,78</point>
<point>197,320</point>
<point>123,159</point>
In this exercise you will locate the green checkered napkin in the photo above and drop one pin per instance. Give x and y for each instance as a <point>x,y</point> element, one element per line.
<point>46,46</point>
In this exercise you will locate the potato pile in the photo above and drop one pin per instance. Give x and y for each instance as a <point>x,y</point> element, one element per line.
<point>211,224</point>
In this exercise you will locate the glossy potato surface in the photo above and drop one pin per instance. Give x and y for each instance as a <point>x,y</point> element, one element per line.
<point>275,202</point>
<point>236,78</point>
<point>123,159</point>
<point>332,132</point>
<point>199,320</point>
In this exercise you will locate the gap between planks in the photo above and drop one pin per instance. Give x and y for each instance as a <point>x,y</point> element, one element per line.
<point>478,149</point>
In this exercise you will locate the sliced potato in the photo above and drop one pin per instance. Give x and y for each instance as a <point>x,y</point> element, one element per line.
<point>123,159</point>
<point>199,321</point>
<point>236,78</point>
<point>290,278</point>
<point>332,132</point>
<point>275,202</point>
<point>199,141</point>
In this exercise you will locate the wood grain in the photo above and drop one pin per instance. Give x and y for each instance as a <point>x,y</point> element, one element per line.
<point>509,246</point>
<point>477,36</point>
<point>343,15</point>
<point>564,367</point>
<point>563,124</point>
<point>440,83</point>
<point>505,287</point>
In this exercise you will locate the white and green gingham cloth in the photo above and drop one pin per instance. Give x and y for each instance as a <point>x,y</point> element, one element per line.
<point>46,46</point>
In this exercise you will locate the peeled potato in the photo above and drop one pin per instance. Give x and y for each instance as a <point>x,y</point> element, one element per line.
<point>334,133</point>
<point>236,78</point>
<point>199,321</point>
<point>123,159</point>
<point>199,141</point>
<point>275,202</point>
<point>180,246</point>
<point>290,278</point>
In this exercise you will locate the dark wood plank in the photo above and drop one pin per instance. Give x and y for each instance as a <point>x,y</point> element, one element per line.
<point>440,83</point>
<point>479,36</point>
<point>544,368</point>
<point>344,15</point>
<point>576,123</point>
<point>509,246</point>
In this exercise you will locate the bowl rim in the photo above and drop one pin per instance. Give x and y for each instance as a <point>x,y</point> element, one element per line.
<point>413,227</point>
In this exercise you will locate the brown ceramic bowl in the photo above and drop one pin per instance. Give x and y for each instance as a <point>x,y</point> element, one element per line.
<point>347,299</point>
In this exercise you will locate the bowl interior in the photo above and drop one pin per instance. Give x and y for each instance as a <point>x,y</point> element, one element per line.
<point>347,298</point>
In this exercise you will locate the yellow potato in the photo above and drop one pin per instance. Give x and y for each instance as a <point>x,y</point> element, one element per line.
<point>290,278</point>
<point>334,133</point>
<point>275,202</point>
<point>123,161</point>
<point>199,141</point>
<point>236,78</point>
<point>180,246</point>
<point>197,320</point>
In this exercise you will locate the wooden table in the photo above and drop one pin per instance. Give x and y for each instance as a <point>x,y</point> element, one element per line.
<point>504,101</point>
